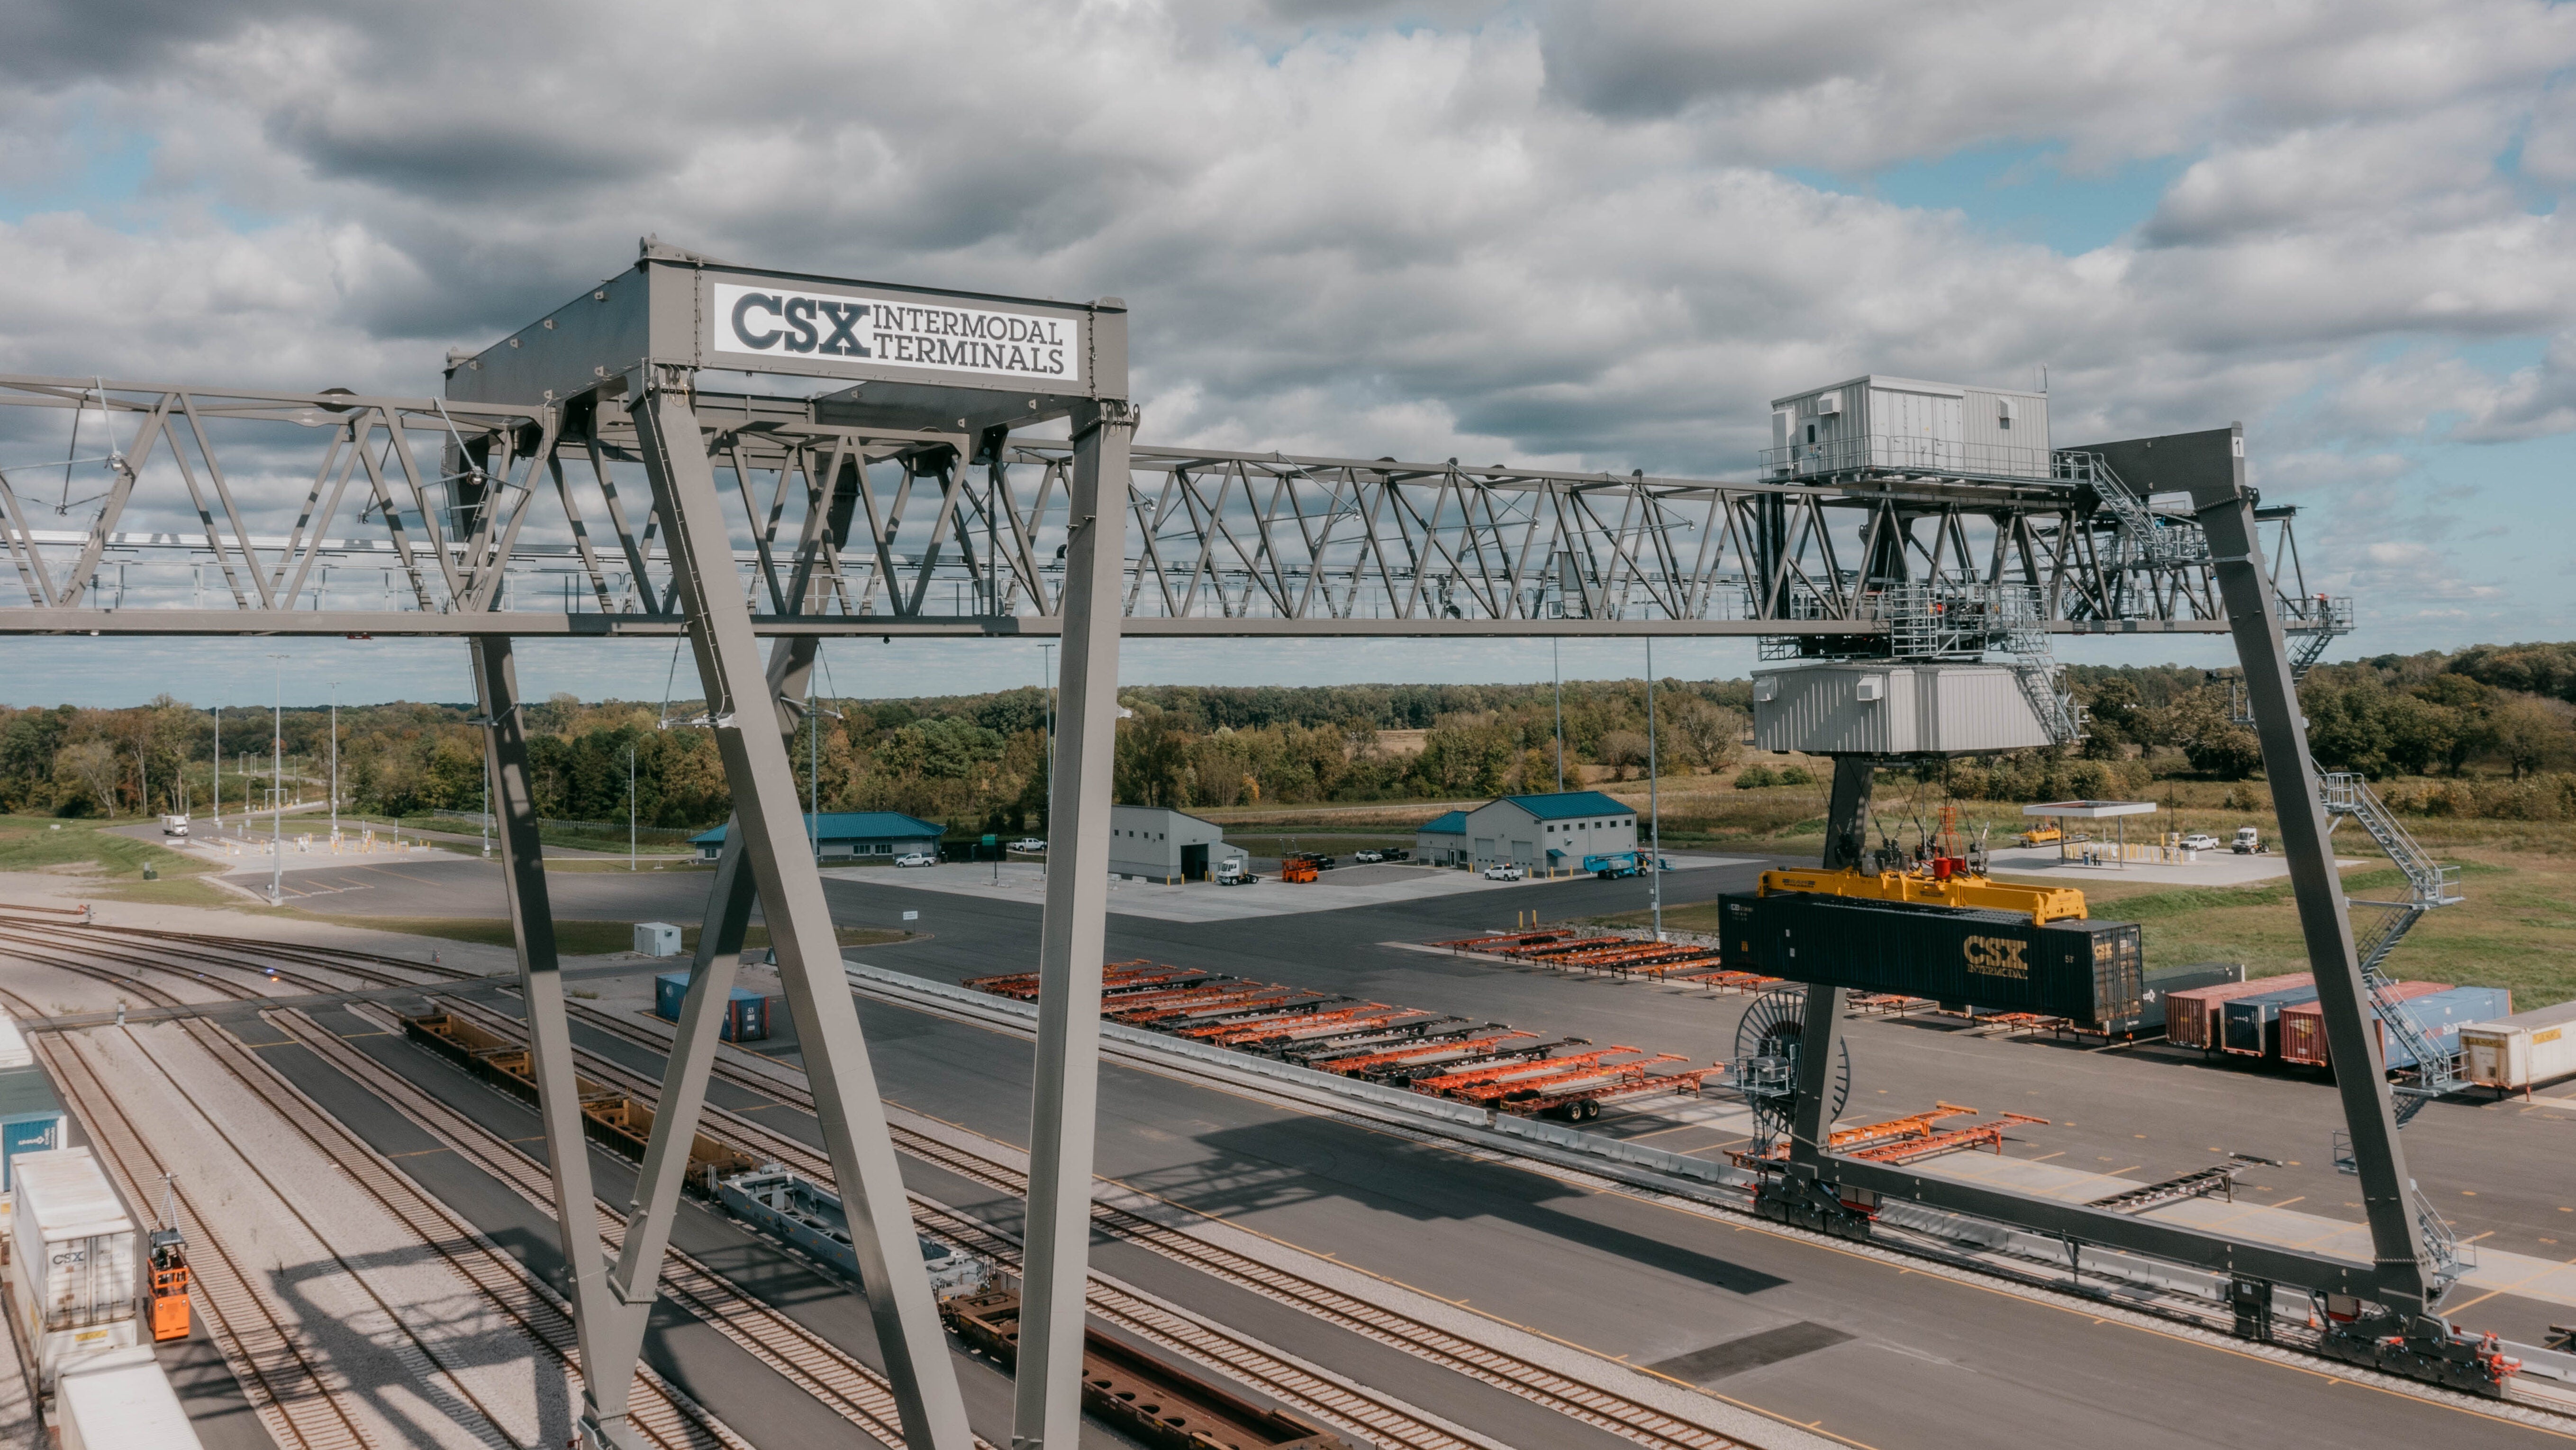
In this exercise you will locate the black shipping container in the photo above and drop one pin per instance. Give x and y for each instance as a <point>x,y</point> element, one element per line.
<point>2251,1026</point>
<point>1994,961</point>
<point>2163,980</point>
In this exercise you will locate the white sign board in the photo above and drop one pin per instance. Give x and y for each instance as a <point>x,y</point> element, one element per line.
<point>912,916</point>
<point>771,322</point>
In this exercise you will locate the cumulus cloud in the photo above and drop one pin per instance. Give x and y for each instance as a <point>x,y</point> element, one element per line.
<point>1572,234</point>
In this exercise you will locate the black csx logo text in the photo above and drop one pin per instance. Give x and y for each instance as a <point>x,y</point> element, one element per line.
<point>799,324</point>
<point>1995,956</point>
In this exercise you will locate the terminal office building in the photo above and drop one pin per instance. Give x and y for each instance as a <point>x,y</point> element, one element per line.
<point>1530,831</point>
<point>850,835</point>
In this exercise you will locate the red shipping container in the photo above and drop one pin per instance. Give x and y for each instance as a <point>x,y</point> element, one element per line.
<point>2191,1017</point>
<point>2303,1028</point>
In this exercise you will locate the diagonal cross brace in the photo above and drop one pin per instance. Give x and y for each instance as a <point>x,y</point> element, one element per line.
<point>772,830</point>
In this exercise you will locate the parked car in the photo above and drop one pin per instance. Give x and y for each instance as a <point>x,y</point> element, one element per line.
<point>2200,841</point>
<point>1395,853</point>
<point>1369,856</point>
<point>916,858</point>
<point>1505,872</point>
<point>1028,845</point>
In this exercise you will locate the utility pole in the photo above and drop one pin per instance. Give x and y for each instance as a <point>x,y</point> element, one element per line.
<point>630,805</point>
<point>219,769</point>
<point>277,784</point>
<point>335,764</point>
<point>143,772</point>
<point>1654,799</point>
<point>1556,668</point>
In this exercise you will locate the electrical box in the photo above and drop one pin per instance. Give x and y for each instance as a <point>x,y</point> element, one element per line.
<point>657,939</point>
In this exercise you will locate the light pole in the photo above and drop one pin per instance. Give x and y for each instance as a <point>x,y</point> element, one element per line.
<point>1557,669</point>
<point>1654,800</point>
<point>1046,691</point>
<point>219,769</point>
<point>630,805</point>
<point>277,785</point>
<point>335,765</point>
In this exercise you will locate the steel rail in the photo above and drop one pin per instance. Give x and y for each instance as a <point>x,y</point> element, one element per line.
<point>1589,1403</point>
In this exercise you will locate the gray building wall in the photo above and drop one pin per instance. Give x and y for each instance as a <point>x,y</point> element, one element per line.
<point>1154,843</point>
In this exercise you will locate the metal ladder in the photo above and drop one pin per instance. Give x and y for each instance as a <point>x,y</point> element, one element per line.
<point>2430,884</point>
<point>2025,636</point>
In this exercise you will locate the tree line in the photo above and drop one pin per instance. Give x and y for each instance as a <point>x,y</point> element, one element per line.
<point>979,762</point>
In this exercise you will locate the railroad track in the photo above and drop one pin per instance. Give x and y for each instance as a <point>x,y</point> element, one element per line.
<point>813,1363</point>
<point>1592,1404</point>
<point>296,1393</point>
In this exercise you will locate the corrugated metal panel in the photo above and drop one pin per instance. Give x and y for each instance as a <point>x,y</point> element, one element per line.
<point>1914,426</point>
<point>2018,449</point>
<point>2303,1026</point>
<point>1818,709</point>
<point>2191,1017</point>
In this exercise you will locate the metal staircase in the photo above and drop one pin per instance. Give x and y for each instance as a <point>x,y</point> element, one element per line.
<point>2430,884</point>
<point>2148,540</point>
<point>2024,634</point>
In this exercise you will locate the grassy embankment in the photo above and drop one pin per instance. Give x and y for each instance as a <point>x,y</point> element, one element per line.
<point>107,864</point>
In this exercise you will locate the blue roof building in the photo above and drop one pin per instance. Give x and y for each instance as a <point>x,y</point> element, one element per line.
<point>843,835</point>
<point>1539,832</point>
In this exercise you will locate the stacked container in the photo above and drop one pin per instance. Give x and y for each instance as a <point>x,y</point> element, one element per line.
<point>31,1117</point>
<point>2520,1050</point>
<point>72,1281</point>
<point>2162,983</point>
<point>2249,1026</point>
<point>2192,1016</point>
<point>121,1400</point>
<point>2303,1027</point>
<point>746,1016</point>
<point>2440,1017</point>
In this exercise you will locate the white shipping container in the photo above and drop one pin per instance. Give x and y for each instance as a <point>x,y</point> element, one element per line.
<point>121,1400</point>
<point>72,1276</point>
<point>14,1051</point>
<point>1879,707</point>
<point>657,939</point>
<point>2515,1052</point>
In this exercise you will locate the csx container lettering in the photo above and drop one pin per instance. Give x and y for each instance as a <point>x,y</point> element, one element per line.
<point>1995,956</point>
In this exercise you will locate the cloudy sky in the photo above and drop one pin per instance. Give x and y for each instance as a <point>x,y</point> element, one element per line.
<point>1595,235</point>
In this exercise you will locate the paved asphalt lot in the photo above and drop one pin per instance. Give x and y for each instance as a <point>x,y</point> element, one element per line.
<point>1892,1358</point>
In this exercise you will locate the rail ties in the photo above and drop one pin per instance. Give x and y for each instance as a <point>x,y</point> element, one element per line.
<point>1592,1404</point>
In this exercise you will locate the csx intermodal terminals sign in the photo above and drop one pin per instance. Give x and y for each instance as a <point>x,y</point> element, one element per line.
<point>783,323</point>
<point>1996,956</point>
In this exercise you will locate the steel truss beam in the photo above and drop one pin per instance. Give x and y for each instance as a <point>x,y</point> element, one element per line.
<point>437,509</point>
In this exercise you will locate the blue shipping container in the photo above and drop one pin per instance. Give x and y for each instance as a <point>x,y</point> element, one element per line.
<point>2251,1025</point>
<point>2441,1016</point>
<point>31,1119</point>
<point>746,1017</point>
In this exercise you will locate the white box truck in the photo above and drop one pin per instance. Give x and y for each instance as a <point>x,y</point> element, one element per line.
<point>72,1276</point>
<point>121,1400</point>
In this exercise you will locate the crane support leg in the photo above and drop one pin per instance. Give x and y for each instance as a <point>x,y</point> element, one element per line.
<point>636,1280</point>
<point>772,830</point>
<point>2225,507</point>
<point>1048,1388</point>
<point>550,1058</point>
